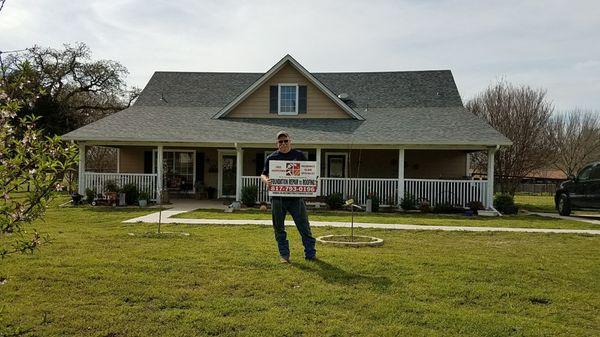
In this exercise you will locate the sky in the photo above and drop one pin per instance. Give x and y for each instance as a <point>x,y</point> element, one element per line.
<point>553,45</point>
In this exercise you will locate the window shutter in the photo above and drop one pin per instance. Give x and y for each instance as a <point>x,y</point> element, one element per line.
<point>273,99</point>
<point>302,99</point>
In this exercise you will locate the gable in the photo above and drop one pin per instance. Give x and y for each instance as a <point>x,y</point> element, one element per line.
<point>257,104</point>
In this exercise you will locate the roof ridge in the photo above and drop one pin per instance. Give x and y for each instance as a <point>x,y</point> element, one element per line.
<point>316,72</point>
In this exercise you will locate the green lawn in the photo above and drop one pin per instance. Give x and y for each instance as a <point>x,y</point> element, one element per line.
<point>536,203</point>
<point>521,221</point>
<point>96,280</point>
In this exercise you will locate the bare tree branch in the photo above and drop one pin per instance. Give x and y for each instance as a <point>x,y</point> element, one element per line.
<point>521,114</point>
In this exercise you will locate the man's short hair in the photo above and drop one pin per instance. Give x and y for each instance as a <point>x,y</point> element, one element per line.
<point>282,133</point>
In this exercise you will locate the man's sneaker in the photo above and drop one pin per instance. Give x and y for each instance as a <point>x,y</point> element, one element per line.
<point>311,258</point>
<point>284,259</point>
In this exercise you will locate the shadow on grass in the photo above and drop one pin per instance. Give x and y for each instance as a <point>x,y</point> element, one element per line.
<point>334,274</point>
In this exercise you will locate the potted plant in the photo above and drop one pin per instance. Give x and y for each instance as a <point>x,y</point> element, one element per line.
<point>110,191</point>
<point>143,199</point>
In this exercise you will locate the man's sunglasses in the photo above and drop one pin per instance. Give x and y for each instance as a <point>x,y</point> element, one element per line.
<point>283,141</point>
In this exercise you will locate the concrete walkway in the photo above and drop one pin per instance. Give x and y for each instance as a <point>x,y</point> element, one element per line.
<point>182,207</point>
<point>581,218</point>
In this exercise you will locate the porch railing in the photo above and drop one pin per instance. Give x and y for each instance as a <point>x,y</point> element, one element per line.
<point>359,188</point>
<point>144,182</point>
<point>263,194</point>
<point>455,192</point>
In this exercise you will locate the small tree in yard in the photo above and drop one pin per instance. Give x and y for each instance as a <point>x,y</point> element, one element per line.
<point>32,167</point>
<point>575,137</point>
<point>522,115</point>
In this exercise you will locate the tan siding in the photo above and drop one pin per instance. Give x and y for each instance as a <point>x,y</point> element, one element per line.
<point>434,164</point>
<point>425,164</point>
<point>318,104</point>
<point>131,159</point>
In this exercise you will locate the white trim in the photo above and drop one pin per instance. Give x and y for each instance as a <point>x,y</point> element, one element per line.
<point>345,154</point>
<point>159,174</point>
<point>118,160</point>
<point>220,153</point>
<point>239,171</point>
<point>81,186</point>
<point>490,177</point>
<point>311,144</point>
<point>271,72</point>
<point>282,113</point>
<point>401,189</point>
<point>318,160</point>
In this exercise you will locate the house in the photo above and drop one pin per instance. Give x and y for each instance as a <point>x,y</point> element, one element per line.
<point>387,133</point>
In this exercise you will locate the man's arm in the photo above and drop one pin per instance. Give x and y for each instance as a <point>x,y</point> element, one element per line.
<point>266,180</point>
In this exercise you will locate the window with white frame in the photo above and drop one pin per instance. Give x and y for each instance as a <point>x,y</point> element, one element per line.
<point>288,99</point>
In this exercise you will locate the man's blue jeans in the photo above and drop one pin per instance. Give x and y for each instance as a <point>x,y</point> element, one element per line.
<point>297,209</point>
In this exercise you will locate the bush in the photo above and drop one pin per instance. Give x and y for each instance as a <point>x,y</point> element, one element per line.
<point>374,202</point>
<point>90,194</point>
<point>249,195</point>
<point>505,204</point>
<point>111,186</point>
<point>408,202</point>
<point>424,206</point>
<point>335,201</point>
<point>131,193</point>
<point>443,207</point>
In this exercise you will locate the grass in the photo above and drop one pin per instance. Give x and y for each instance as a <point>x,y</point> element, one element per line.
<point>96,280</point>
<point>520,221</point>
<point>536,203</point>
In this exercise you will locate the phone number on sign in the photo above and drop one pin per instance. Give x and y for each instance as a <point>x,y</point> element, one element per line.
<point>285,188</point>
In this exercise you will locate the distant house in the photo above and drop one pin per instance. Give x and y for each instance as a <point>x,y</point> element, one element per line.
<point>387,133</point>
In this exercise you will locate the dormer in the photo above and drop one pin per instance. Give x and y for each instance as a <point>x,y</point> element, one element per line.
<point>287,90</point>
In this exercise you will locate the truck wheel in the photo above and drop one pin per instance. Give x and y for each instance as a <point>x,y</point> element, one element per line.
<point>564,205</point>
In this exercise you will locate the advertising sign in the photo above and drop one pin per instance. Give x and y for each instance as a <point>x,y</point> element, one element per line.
<point>293,178</point>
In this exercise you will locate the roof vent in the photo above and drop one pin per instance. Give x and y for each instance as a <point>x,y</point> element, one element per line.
<point>344,96</point>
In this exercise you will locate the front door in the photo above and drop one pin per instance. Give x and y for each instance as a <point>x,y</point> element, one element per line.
<point>227,174</point>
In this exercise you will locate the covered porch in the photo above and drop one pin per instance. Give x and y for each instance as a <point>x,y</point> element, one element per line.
<point>214,171</point>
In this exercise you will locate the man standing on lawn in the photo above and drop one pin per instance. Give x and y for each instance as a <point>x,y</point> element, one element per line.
<point>294,205</point>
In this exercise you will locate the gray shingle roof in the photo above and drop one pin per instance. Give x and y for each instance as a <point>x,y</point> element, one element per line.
<point>421,107</point>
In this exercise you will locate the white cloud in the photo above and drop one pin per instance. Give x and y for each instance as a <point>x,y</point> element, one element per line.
<point>549,44</point>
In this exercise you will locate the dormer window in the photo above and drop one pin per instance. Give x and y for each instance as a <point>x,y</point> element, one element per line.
<point>288,99</point>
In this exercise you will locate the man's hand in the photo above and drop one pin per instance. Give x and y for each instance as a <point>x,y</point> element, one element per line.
<point>266,180</point>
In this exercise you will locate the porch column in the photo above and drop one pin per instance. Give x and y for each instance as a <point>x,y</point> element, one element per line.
<point>159,174</point>
<point>239,168</point>
<point>490,178</point>
<point>318,158</point>
<point>400,175</point>
<point>81,180</point>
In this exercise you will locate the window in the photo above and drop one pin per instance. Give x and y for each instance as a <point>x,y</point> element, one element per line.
<point>288,99</point>
<point>595,175</point>
<point>585,173</point>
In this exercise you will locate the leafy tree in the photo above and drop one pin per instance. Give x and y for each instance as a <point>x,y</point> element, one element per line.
<point>75,90</point>
<point>575,136</point>
<point>31,167</point>
<point>522,114</point>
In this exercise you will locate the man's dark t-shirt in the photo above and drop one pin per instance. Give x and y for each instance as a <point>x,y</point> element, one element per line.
<point>293,155</point>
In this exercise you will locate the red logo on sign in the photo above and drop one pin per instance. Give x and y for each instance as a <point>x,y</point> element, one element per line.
<point>292,169</point>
